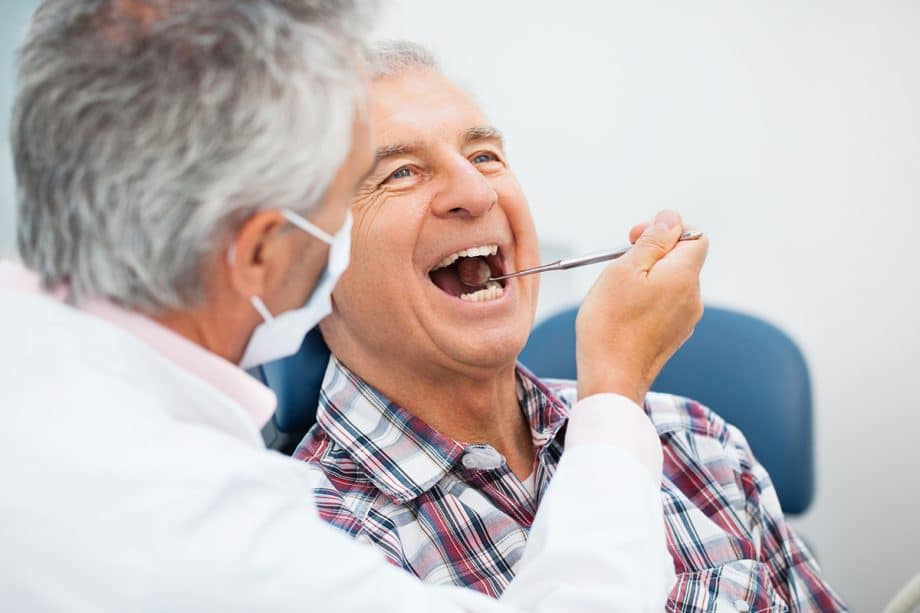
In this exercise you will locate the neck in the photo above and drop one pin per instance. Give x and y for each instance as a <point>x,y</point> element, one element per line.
<point>207,329</point>
<point>480,407</point>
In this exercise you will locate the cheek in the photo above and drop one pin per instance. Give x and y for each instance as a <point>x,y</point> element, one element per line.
<point>527,247</point>
<point>378,253</point>
<point>525,233</point>
<point>359,282</point>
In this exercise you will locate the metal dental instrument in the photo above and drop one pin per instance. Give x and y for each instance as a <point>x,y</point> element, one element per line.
<point>591,258</point>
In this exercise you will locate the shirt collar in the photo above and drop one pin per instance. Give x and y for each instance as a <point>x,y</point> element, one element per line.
<point>256,399</point>
<point>401,454</point>
<point>546,411</point>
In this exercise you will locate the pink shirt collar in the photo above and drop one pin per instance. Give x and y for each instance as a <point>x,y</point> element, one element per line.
<point>256,399</point>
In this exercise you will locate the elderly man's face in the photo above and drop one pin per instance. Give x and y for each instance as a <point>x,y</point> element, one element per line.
<point>441,187</point>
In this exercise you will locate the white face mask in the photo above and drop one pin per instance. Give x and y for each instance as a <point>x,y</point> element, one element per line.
<point>281,336</point>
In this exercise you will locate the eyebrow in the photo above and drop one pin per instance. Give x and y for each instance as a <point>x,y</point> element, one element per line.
<point>483,133</point>
<point>389,151</point>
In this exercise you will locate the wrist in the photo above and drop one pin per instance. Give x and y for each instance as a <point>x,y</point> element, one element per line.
<point>612,382</point>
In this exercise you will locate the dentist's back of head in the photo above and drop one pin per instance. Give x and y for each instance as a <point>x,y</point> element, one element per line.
<point>144,132</point>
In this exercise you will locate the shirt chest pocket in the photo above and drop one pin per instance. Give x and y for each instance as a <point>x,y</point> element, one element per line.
<point>741,585</point>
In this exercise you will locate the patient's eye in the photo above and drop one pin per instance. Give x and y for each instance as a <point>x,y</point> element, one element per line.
<point>402,173</point>
<point>487,162</point>
<point>404,177</point>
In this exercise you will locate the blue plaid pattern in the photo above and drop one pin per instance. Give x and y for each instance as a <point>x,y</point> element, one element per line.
<point>392,480</point>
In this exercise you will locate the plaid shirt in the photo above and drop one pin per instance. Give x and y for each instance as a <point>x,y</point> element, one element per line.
<point>454,513</point>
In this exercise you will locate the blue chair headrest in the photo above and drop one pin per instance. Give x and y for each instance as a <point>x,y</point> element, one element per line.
<point>296,381</point>
<point>743,368</point>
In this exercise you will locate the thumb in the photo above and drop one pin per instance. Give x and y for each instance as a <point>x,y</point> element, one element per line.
<point>656,241</point>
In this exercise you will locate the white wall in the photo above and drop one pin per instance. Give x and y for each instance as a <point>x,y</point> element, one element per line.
<point>787,130</point>
<point>13,19</point>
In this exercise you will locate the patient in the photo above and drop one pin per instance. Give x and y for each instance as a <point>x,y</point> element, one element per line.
<point>435,445</point>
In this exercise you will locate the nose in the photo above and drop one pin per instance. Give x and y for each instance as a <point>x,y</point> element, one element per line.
<point>464,192</point>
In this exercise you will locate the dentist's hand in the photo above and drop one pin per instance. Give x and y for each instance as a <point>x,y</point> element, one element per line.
<point>640,311</point>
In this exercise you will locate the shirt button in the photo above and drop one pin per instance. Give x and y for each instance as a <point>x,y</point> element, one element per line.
<point>742,606</point>
<point>482,457</point>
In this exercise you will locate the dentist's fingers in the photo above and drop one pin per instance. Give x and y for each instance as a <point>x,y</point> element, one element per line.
<point>636,231</point>
<point>655,242</point>
<point>689,254</point>
<point>698,248</point>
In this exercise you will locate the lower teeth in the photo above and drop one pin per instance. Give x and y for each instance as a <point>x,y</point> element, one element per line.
<point>492,291</point>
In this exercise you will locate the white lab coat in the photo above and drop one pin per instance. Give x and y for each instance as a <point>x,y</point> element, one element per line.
<point>127,484</point>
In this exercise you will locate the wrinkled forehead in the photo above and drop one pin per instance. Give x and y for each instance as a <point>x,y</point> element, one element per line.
<point>421,104</point>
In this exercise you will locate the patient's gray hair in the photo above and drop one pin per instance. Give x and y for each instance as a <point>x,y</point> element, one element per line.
<point>390,58</point>
<point>145,131</point>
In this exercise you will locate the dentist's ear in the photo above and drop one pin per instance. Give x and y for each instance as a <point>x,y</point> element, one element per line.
<point>257,259</point>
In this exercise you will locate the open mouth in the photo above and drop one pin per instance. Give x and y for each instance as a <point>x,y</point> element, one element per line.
<point>464,274</point>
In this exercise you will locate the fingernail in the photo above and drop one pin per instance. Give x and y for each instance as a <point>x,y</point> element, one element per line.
<point>665,220</point>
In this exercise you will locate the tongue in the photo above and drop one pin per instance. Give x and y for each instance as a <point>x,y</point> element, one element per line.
<point>472,270</point>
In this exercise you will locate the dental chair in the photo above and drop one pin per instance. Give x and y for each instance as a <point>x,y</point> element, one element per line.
<point>296,381</point>
<point>745,369</point>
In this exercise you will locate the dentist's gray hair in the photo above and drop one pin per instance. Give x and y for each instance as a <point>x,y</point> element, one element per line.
<point>145,131</point>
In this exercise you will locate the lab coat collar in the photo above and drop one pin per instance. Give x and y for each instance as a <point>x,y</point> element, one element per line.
<point>257,400</point>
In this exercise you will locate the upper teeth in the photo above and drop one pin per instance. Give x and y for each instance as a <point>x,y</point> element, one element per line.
<point>472,252</point>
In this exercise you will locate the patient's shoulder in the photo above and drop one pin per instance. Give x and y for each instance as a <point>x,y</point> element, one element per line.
<point>668,412</point>
<point>565,390</point>
<point>698,442</point>
<point>671,414</point>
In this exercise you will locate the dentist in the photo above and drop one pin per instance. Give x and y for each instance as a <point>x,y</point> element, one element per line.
<point>184,175</point>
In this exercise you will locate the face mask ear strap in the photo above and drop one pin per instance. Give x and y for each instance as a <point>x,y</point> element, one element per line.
<point>307,227</point>
<point>259,306</point>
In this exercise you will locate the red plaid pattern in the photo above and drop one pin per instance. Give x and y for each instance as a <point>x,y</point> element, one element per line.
<point>392,480</point>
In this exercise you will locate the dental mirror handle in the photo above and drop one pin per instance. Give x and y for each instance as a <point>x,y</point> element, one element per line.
<point>585,260</point>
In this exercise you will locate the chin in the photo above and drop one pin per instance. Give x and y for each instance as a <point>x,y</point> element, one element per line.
<point>492,348</point>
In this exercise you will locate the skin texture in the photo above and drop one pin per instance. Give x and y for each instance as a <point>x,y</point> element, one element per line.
<point>435,191</point>
<point>271,259</point>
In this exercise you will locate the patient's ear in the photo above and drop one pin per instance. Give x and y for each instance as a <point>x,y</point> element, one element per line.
<point>257,258</point>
